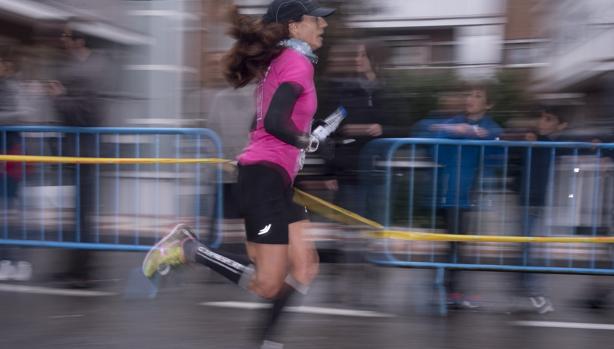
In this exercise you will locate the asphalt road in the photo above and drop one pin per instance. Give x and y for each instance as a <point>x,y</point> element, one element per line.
<point>349,306</point>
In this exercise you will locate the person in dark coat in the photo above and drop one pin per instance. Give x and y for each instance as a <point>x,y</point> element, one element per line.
<point>372,112</point>
<point>76,99</point>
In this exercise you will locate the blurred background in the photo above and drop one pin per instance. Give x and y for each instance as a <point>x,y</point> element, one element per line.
<point>143,79</point>
<point>163,56</point>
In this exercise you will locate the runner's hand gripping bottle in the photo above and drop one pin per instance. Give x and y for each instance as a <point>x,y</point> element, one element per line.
<point>327,126</point>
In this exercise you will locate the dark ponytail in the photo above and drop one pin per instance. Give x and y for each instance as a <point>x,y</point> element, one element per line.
<point>254,49</point>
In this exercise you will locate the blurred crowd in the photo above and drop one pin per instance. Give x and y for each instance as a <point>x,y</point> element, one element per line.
<point>64,88</point>
<point>451,190</point>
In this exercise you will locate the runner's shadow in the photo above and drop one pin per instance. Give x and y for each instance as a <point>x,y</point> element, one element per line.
<point>140,287</point>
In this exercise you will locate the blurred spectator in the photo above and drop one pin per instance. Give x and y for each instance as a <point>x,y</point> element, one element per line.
<point>76,100</point>
<point>231,114</point>
<point>535,175</point>
<point>550,124</point>
<point>79,82</point>
<point>9,90</point>
<point>449,104</point>
<point>370,116</point>
<point>459,173</point>
<point>11,173</point>
<point>10,176</point>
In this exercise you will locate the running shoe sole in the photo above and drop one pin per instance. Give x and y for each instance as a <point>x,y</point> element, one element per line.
<point>164,269</point>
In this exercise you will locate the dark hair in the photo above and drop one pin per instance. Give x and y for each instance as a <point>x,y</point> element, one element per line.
<point>377,53</point>
<point>486,86</point>
<point>10,59</point>
<point>77,35</point>
<point>72,24</point>
<point>255,48</point>
<point>561,112</point>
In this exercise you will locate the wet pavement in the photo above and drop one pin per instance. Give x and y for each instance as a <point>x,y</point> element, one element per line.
<point>349,306</point>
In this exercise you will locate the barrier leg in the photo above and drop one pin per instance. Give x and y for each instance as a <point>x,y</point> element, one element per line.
<point>441,291</point>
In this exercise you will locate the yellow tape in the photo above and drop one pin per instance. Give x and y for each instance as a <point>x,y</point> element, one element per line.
<point>342,215</point>
<point>417,236</point>
<point>125,161</point>
<point>316,204</point>
<point>325,208</point>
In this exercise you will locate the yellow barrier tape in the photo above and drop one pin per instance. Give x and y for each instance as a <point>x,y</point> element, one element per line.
<point>105,161</point>
<point>316,204</point>
<point>339,214</point>
<point>417,236</point>
<point>325,208</point>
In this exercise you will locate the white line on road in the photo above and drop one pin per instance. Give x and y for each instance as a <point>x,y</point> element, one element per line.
<point>53,291</point>
<point>557,324</point>
<point>68,316</point>
<point>301,309</point>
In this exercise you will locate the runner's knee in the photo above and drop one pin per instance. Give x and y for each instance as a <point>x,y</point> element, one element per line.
<point>306,273</point>
<point>267,288</point>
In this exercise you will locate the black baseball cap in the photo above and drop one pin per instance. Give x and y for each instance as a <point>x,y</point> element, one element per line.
<point>281,11</point>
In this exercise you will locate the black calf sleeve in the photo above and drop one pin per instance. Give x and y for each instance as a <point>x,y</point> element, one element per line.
<point>290,289</point>
<point>232,269</point>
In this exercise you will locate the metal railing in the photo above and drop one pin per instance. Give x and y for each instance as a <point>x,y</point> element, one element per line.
<point>485,194</point>
<point>106,187</point>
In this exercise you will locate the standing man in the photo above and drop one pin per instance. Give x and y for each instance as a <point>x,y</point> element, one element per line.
<point>76,100</point>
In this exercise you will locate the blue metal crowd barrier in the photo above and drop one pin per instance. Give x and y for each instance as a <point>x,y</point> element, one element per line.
<point>435,185</point>
<point>132,204</point>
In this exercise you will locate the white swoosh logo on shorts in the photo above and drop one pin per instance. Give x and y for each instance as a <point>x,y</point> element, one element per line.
<point>264,230</point>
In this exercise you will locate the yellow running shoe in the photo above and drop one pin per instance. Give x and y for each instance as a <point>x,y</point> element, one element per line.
<point>168,252</point>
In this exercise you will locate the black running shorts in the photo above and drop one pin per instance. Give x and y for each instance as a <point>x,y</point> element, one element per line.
<point>264,194</point>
